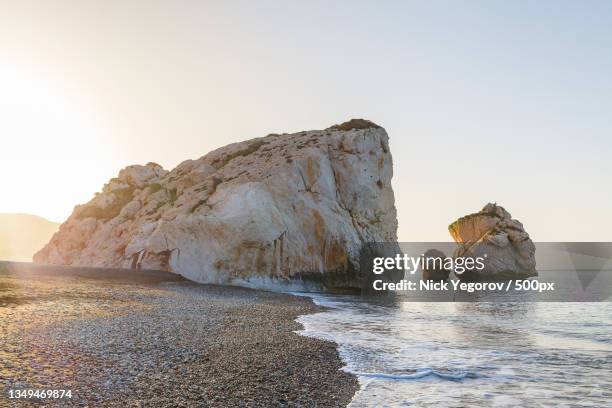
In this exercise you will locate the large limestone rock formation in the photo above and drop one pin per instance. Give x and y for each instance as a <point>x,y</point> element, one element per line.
<point>510,253</point>
<point>278,208</point>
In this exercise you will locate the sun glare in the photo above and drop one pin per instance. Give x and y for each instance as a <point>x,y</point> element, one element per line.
<point>51,147</point>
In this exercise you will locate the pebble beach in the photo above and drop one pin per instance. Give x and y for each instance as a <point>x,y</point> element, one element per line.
<point>152,339</point>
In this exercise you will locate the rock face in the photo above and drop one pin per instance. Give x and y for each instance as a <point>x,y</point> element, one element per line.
<point>279,208</point>
<point>510,253</point>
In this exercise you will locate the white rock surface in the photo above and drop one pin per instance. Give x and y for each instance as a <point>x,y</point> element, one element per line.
<point>280,208</point>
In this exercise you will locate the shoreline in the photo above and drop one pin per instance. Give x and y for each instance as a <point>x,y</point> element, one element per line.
<point>117,341</point>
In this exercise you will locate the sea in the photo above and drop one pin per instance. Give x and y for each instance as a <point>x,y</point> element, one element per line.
<point>510,353</point>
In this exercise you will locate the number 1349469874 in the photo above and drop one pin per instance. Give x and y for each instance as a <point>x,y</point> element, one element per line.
<point>39,394</point>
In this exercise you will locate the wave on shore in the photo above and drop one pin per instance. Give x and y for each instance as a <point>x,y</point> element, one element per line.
<point>470,354</point>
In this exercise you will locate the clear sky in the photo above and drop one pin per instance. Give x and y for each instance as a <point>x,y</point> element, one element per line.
<point>507,101</point>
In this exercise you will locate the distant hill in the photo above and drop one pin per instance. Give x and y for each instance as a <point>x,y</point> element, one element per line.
<point>21,235</point>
